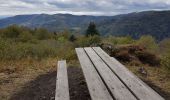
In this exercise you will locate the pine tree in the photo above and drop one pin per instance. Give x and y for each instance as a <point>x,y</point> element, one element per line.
<point>91,31</point>
<point>72,38</point>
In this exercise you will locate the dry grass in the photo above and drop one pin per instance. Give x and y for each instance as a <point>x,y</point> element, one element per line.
<point>14,74</point>
<point>157,77</point>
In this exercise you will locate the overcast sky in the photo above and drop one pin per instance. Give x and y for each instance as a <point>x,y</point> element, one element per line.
<point>79,7</point>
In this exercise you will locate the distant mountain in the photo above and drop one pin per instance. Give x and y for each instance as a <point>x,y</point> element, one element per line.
<point>52,22</point>
<point>155,23</point>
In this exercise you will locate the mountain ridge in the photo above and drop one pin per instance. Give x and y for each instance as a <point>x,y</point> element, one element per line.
<point>136,24</point>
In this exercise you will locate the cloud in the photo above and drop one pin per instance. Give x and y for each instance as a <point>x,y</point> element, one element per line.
<point>87,7</point>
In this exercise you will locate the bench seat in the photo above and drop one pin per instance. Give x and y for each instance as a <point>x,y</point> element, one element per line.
<point>62,88</point>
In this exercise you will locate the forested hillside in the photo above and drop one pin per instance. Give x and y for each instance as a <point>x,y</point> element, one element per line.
<point>155,23</point>
<point>138,24</point>
<point>57,22</point>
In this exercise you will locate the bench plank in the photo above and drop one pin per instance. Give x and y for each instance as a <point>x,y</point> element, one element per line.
<point>97,89</point>
<point>62,88</point>
<point>137,86</point>
<point>117,88</point>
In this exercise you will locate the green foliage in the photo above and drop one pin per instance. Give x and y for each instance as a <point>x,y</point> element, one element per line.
<point>72,38</point>
<point>118,40</point>
<point>25,36</point>
<point>166,61</point>
<point>4,46</point>
<point>88,41</point>
<point>62,39</point>
<point>148,42</point>
<point>39,43</point>
<point>42,34</point>
<point>12,31</point>
<point>165,51</point>
<point>36,44</point>
<point>25,50</point>
<point>91,31</point>
<point>125,40</point>
<point>164,46</point>
<point>63,36</point>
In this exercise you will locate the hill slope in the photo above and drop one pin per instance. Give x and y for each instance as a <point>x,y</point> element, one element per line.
<point>51,22</point>
<point>155,23</point>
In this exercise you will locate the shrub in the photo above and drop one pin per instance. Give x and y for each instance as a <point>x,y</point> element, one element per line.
<point>118,40</point>
<point>4,46</point>
<point>88,41</point>
<point>165,61</point>
<point>12,31</point>
<point>165,50</point>
<point>39,50</point>
<point>123,56</point>
<point>125,40</point>
<point>62,39</point>
<point>149,43</point>
<point>164,46</point>
<point>42,34</point>
<point>110,40</point>
<point>148,58</point>
<point>25,36</point>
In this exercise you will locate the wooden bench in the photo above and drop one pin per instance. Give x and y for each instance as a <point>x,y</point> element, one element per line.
<point>108,79</point>
<point>62,88</point>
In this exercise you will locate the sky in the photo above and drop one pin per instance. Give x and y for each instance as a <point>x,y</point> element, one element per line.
<point>80,7</point>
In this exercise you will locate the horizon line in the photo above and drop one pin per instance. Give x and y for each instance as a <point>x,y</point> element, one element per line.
<point>67,13</point>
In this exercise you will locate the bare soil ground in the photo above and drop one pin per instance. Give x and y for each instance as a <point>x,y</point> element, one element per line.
<point>78,87</point>
<point>43,87</point>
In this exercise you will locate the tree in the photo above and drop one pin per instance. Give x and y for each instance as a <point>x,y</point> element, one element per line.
<point>72,38</point>
<point>91,31</point>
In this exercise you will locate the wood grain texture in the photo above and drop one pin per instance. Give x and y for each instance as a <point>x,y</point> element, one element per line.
<point>117,88</point>
<point>97,89</point>
<point>137,86</point>
<point>62,88</point>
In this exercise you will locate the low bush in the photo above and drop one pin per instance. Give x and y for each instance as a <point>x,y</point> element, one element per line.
<point>149,43</point>
<point>165,61</point>
<point>12,31</point>
<point>118,40</point>
<point>88,41</point>
<point>148,58</point>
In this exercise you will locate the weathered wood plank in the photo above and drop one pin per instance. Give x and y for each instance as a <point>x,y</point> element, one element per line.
<point>97,89</point>
<point>137,86</point>
<point>62,88</point>
<point>117,88</point>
